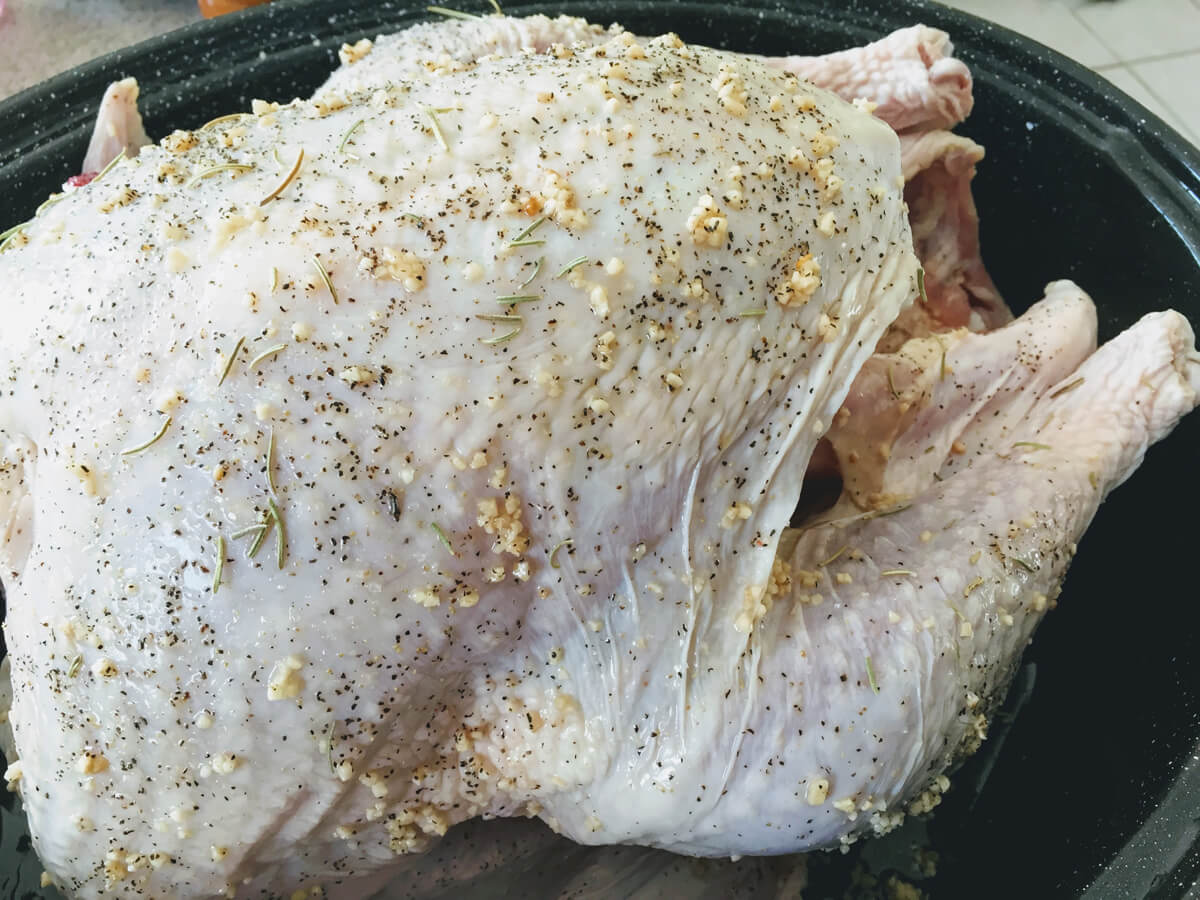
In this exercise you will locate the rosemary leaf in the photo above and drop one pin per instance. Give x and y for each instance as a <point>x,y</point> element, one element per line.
<point>437,127</point>
<point>871,676</point>
<point>510,299</point>
<point>834,557</point>
<point>270,351</point>
<point>219,119</point>
<point>220,564</point>
<point>270,460</point>
<point>213,170</point>
<point>229,362</point>
<point>537,266</point>
<point>752,313</point>
<point>111,164</point>
<point>280,533</point>
<point>325,278</point>
<point>1027,566</point>
<point>346,137</point>
<point>553,560</point>
<point>1070,386</point>
<point>504,338</point>
<point>529,229</point>
<point>264,530</point>
<point>1032,445</point>
<point>162,429</point>
<point>11,235</point>
<point>437,529</point>
<point>286,181</point>
<point>577,261</point>
<point>450,13</point>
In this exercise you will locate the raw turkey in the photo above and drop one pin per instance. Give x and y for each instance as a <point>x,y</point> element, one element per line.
<point>427,451</point>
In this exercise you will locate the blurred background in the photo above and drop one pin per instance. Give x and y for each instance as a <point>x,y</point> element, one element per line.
<point>1148,48</point>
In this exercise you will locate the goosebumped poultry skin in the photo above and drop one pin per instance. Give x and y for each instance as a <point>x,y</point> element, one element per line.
<point>506,546</point>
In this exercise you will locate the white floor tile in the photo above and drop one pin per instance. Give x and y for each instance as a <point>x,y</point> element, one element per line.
<point>1136,29</point>
<point>1051,22</point>
<point>1123,78</point>
<point>1176,82</point>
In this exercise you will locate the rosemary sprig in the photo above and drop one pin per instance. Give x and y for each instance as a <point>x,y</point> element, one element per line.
<point>1067,387</point>
<point>577,261</point>
<point>286,181</point>
<point>553,560</point>
<point>890,572</point>
<point>437,529</point>
<point>511,299</point>
<point>537,266</point>
<point>229,362</point>
<point>498,318</point>
<point>437,127</point>
<point>270,351</point>
<point>529,229</point>
<point>111,165</point>
<point>270,460</point>
<point>504,338</point>
<point>451,13</point>
<point>162,429</point>
<point>325,278</point>
<point>280,533</point>
<point>346,138</point>
<point>1032,445</point>
<point>871,676</point>
<point>220,564</point>
<point>76,665</point>
<point>213,170</point>
<point>752,313</point>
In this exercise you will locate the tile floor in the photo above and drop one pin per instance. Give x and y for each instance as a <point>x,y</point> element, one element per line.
<point>1148,48</point>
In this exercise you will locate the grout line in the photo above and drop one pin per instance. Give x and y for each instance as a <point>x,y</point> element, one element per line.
<point>1180,123</point>
<point>1092,31</point>
<point>1177,54</point>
